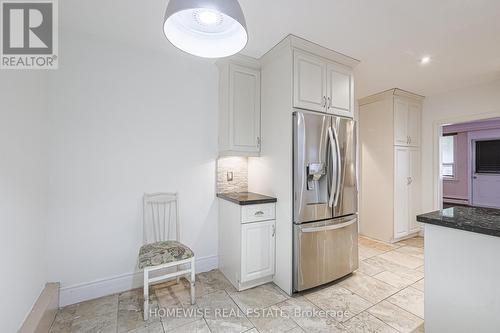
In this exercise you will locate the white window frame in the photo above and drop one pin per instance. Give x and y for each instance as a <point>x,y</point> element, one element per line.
<point>454,164</point>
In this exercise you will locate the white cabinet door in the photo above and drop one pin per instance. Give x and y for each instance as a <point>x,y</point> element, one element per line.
<point>339,90</point>
<point>400,122</point>
<point>309,82</point>
<point>414,189</point>
<point>401,168</point>
<point>257,250</point>
<point>414,114</point>
<point>244,109</point>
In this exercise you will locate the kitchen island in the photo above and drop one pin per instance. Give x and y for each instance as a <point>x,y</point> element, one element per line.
<point>462,270</point>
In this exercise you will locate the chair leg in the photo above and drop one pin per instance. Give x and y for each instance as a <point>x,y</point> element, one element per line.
<point>193,278</point>
<point>146,295</point>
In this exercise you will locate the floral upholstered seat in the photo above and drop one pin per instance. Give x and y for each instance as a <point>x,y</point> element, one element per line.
<point>160,253</point>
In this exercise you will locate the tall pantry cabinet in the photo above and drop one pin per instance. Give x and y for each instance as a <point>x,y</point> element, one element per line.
<point>390,172</point>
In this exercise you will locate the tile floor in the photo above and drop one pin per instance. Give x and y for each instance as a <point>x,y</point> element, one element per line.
<point>385,295</point>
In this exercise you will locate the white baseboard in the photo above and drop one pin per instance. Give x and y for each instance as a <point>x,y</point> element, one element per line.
<point>120,283</point>
<point>43,312</point>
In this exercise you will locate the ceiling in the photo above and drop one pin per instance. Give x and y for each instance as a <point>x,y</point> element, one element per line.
<point>388,36</point>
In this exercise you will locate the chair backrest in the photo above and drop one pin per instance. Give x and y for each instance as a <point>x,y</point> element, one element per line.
<point>160,217</point>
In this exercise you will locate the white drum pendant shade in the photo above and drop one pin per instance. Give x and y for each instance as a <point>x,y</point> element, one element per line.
<point>206,28</point>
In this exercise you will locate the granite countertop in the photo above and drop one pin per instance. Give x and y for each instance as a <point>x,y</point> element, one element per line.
<point>474,219</point>
<point>246,198</point>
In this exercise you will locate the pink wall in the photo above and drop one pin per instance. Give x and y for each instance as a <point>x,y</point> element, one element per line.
<point>458,188</point>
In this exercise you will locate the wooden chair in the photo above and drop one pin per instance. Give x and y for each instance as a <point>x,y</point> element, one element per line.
<point>162,249</point>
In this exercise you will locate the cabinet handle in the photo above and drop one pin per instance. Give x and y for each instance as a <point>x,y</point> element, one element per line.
<point>329,103</point>
<point>258,141</point>
<point>259,213</point>
<point>274,230</point>
<point>409,180</point>
<point>323,105</point>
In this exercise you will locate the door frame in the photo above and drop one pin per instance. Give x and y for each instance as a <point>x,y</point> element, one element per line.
<point>436,167</point>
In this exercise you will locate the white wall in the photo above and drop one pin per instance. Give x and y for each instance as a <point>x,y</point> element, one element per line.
<point>22,194</point>
<point>124,121</point>
<point>478,102</point>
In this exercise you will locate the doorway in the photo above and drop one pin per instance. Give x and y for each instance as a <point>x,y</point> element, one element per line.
<point>469,163</point>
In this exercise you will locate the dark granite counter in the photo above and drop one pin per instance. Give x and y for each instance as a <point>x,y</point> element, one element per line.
<point>246,198</point>
<point>480,220</point>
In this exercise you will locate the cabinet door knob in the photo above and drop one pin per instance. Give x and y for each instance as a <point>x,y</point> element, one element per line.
<point>274,230</point>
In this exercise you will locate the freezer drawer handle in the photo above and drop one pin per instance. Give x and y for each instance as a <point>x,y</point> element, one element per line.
<point>330,227</point>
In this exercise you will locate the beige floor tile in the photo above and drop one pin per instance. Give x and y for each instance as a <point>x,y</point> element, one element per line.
<point>367,268</point>
<point>365,322</point>
<point>198,326</point>
<point>394,316</point>
<point>130,311</point>
<point>420,329</point>
<point>63,320</point>
<point>374,244</point>
<point>365,252</point>
<point>421,268</point>
<point>259,297</point>
<point>271,320</point>
<point>343,303</point>
<point>222,314</point>
<point>297,329</point>
<point>253,330</point>
<point>402,259</point>
<point>386,265</point>
<point>393,279</point>
<point>412,251</point>
<point>98,307</point>
<point>415,241</point>
<point>309,317</point>
<point>175,316</point>
<point>409,299</point>
<point>369,288</point>
<point>419,285</point>
<point>155,327</point>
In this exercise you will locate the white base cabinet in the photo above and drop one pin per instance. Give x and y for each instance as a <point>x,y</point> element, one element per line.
<point>247,243</point>
<point>390,181</point>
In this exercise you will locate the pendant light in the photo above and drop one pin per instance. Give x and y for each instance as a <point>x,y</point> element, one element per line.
<point>206,28</point>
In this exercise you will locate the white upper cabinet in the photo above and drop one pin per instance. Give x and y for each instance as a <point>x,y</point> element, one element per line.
<point>339,90</point>
<point>322,85</point>
<point>414,121</point>
<point>309,82</point>
<point>239,109</point>
<point>400,122</point>
<point>407,120</point>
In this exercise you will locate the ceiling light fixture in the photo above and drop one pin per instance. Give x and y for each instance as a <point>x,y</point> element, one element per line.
<point>425,60</point>
<point>206,28</point>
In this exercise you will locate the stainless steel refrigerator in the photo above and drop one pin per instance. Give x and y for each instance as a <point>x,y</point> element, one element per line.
<point>325,207</point>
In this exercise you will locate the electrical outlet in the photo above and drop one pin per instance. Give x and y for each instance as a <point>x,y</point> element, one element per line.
<point>229,176</point>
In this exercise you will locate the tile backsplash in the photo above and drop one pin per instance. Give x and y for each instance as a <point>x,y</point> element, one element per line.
<point>239,167</point>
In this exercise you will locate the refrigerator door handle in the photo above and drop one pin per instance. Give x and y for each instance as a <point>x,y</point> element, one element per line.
<point>332,188</point>
<point>329,227</point>
<point>339,166</point>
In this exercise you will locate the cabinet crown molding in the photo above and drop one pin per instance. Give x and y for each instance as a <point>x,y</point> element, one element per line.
<point>239,59</point>
<point>294,42</point>
<point>390,94</point>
